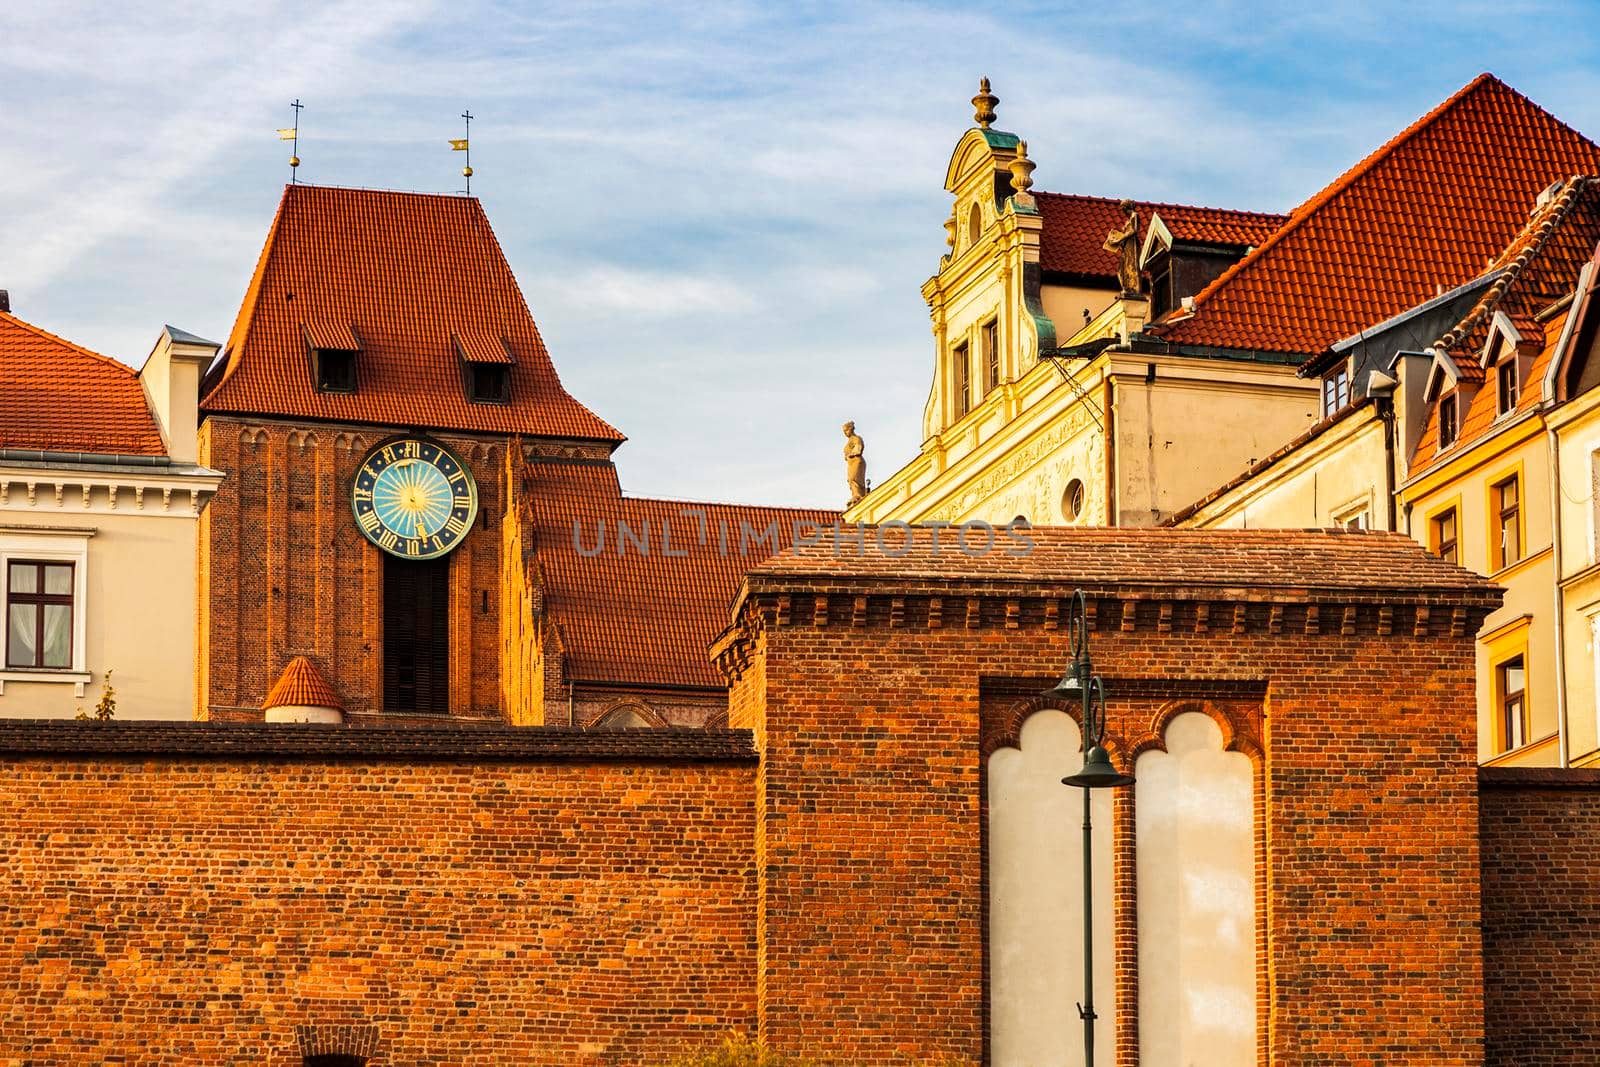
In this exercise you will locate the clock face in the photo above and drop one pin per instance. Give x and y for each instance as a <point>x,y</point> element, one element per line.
<point>414,498</point>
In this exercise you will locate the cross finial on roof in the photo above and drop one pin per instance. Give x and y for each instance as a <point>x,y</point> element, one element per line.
<point>293,134</point>
<point>983,105</point>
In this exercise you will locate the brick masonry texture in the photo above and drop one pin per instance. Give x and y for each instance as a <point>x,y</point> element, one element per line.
<point>867,695</point>
<point>477,894</point>
<point>207,907</point>
<point>1541,915</point>
<point>284,571</point>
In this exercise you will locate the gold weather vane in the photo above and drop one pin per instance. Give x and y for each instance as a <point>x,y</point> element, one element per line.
<point>292,133</point>
<point>464,144</point>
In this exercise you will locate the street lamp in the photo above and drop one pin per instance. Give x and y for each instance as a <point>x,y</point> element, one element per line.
<point>1082,684</point>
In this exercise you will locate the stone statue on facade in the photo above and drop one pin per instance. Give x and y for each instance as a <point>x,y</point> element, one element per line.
<point>855,463</point>
<point>1124,241</point>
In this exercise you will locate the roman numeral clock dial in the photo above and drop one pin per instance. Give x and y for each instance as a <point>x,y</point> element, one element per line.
<point>414,498</point>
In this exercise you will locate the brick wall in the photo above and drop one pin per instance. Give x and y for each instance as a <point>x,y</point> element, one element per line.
<point>285,571</point>
<point>1541,915</point>
<point>240,894</point>
<point>865,692</point>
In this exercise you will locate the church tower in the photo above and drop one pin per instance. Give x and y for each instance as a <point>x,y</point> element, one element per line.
<point>382,364</point>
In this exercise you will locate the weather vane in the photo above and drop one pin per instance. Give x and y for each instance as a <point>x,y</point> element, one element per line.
<point>292,133</point>
<point>464,144</point>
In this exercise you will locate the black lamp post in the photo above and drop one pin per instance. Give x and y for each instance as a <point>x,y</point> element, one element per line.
<point>1082,684</point>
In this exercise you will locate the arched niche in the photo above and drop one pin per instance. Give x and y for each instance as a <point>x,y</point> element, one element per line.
<point>628,716</point>
<point>1035,859</point>
<point>1194,803</point>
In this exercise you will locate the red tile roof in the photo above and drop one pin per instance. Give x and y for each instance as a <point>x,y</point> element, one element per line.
<point>1075,229</point>
<point>406,271</point>
<point>1298,562</point>
<point>59,397</point>
<point>1426,209</point>
<point>1537,268</point>
<point>302,685</point>
<point>477,347</point>
<point>634,617</point>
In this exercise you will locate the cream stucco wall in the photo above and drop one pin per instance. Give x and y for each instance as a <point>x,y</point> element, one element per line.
<point>1195,844</point>
<point>1334,475</point>
<point>1183,426</point>
<point>137,590</point>
<point>1065,305</point>
<point>1036,902</point>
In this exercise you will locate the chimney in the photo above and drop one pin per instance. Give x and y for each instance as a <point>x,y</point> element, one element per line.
<point>171,380</point>
<point>5,300</point>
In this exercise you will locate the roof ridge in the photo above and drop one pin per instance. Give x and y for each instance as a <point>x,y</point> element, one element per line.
<point>1543,224</point>
<point>1160,204</point>
<point>1361,169</point>
<point>39,331</point>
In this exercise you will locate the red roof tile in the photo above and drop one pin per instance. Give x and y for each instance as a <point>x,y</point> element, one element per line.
<point>59,397</point>
<point>1426,209</point>
<point>406,270</point>
<point>302,685</point>
<point>482,348</point>
<point>331,333</point>
<point>1537,268</point>
<point>1075,229</point>
<point>629,616</point>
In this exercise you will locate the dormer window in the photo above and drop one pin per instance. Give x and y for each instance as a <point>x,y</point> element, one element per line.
<point>334,347</point>
<point>488,383</point>
<point>1506,387</point>
<point>974,225</point>
<point>1449,421</point>
<point>1335,391</point>
<point>485,367</point>
<point>336,370</point>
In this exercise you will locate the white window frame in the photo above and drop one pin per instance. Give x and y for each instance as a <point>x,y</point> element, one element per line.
<point>51,544</point>
<point>1359,509</point>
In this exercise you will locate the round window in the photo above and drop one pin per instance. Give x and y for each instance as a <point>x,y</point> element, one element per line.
<point>1072,501</point>
<point>974,225</point>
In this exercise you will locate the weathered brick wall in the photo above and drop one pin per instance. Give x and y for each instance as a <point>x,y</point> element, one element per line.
<point>286,572</point>
<point>468,896</point>
<point>869,806</point>
<point>1541,915</point>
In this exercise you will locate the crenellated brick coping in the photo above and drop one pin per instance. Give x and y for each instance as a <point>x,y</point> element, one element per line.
<point>767,602</point>
<point>1539,778</point>
<point>315,743</point>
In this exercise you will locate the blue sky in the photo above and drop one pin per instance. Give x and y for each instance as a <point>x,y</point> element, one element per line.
<point>721,214</point>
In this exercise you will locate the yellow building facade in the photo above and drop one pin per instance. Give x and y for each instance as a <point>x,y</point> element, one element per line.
<point>1481,444</point>
<point>1046,402</point>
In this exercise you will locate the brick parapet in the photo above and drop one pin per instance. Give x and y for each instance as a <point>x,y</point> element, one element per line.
<point>374,743</point>
<point>497,905</point>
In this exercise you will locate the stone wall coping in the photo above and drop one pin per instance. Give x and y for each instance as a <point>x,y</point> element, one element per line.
<point>1539,778</point>
<point>312,743</point>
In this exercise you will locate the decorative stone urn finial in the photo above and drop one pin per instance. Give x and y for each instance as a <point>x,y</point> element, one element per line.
<point>1022,170</point>
<point>950,230</point>
<point>983,104</point>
